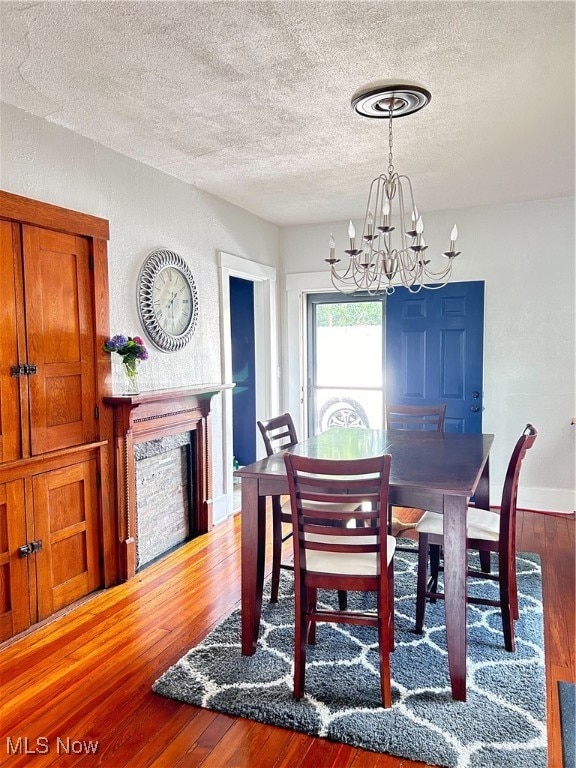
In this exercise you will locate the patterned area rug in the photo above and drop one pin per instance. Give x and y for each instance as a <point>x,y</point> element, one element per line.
<point>567,694</point>
<point>503,722</point>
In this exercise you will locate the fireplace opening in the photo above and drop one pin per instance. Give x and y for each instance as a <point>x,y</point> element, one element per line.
<point>165,512</point>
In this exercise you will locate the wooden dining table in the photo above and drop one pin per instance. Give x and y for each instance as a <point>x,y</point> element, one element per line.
<point>438,471</point>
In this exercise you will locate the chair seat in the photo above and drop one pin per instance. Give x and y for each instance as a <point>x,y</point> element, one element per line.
<point>349,563</point>
<point>481,524</point>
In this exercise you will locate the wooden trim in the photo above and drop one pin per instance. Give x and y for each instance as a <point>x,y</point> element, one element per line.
<point>45,462</point>
<point>105,426</point>
<point>27,211</point>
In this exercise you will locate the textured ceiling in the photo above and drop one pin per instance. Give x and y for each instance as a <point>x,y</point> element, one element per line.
<point>251,100</point>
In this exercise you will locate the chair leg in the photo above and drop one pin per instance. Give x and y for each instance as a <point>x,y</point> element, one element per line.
<point>514,589</point>
<point>485,561</point>
<point>434,569</point>
<point>507,619</point>
<point>421,581</point>
<point>342,600</point>
<point>311,606</point>
<point>300,635</point>
<point>384,650</point>
<point>276,554</point>
<point>508,601</point>
<point>391,627</point>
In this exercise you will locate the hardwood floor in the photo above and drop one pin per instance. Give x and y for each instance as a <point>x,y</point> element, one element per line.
<point>86,677</point>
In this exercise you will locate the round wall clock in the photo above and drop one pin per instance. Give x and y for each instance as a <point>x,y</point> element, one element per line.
<point>167,300</point>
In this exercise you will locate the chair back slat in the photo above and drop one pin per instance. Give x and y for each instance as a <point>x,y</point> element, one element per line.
<point>411,417</point>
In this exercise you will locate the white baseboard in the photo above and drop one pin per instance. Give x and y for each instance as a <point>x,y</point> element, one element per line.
<point>222,508</point>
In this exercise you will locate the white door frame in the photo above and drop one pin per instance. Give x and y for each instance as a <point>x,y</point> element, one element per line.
<point>266,349</point>
<point>298,286</point>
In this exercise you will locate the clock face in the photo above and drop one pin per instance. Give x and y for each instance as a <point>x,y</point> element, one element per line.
<point>172,301</point>
<point>167,300</point>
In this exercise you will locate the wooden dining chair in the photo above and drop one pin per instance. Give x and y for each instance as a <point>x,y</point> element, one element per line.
<point>332,552</point>
<point>279,434</point>
<point>487,531</point>
<point>422,417</point>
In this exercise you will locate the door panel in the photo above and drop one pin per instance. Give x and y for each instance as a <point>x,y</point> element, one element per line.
<point>14,601</point>
<point>434,351</point>
<point>66,518</point>
<point>60,333</point>
<point>10,446</point>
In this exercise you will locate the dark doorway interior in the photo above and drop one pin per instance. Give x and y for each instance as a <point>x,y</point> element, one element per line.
<point>243,370</point>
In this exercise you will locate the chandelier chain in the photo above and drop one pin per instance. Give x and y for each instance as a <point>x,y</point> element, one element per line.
<point>390,159</point>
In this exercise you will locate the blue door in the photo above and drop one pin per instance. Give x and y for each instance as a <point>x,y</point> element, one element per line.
<point>434,351</point>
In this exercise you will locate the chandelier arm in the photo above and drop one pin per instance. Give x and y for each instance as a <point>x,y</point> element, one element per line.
<point>439,275</point>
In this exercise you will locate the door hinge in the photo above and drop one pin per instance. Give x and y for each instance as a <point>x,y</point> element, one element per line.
<point>96,412</point>
<point>30,548</point>
<point>91,262</point>
<point>98,479</point>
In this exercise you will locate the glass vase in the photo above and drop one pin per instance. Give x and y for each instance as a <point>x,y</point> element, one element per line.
<point>131,385</point>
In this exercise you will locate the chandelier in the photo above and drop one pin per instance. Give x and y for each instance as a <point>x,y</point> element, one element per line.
<point>392,251</point>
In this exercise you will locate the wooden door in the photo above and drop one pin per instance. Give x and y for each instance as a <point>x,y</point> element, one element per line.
<point>10,445</point>
<point>14,586</point>
<point>66,521</point>
<point>60,339</point>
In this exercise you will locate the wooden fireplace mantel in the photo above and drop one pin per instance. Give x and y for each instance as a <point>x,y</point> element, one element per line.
<point>148,416</point>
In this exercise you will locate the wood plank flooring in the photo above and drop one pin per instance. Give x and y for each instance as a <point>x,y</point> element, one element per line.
<point>86,676</point>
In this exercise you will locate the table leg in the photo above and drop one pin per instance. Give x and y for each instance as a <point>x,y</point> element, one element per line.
<point>455,557</point>
<point>253,541</point>
<point>482,492</point>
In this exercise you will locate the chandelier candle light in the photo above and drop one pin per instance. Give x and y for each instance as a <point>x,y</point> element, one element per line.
<point>384,261</point>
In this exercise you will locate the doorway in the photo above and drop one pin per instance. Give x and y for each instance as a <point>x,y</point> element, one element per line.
<point>262,279</point>
<point>406,348</point>
<point>345,385</point>
<point>243,370</point>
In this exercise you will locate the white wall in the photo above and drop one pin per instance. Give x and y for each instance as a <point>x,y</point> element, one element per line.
<point>525,254</point>
<point>147,210</point>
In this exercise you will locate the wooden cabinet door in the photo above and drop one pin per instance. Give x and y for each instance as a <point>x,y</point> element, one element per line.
<point>10,432</point>
<point>14,587</point>
<point>66,520</point>
<point>60,339</point>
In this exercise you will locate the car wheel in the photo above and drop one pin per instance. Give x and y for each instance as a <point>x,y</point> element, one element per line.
<point>342,412</point>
